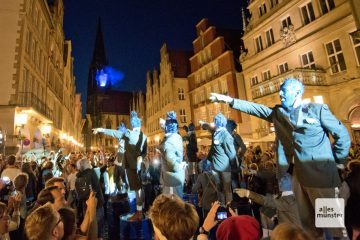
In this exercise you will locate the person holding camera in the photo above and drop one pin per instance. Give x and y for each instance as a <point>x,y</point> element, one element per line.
<point>229,225</point>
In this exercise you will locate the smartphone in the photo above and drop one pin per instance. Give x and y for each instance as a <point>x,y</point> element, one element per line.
<point>221,214</point>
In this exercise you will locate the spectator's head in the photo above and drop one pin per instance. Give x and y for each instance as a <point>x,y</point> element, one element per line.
<point>220,120</point>
<point>291,92</point>
<point>239,227</point>
<point>26,168</point>
<point>4,219</point>
<point>48,165</point>
<point>191,127</point>
<point>173,218</point>
<point>11,160</point>
<point>171,124</point>
<point>44,223</point>
<point>135,122</point>
<point>185,128</point>
<point>285,183</point>
<point>51,195</point>
<point>58,182</point>
<point>286,231</point>
<point>231,125</point>
<point>20,181</point>
<point>83,164</point>
<point>69,220</point>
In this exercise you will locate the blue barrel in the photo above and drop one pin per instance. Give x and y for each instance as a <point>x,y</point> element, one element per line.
<point>135,230</point>
<point>191,198</point>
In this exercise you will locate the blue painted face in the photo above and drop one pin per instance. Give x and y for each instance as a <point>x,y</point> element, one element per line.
<point>288,94</point>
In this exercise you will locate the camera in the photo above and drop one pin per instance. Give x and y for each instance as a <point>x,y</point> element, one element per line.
<point>222,213</point>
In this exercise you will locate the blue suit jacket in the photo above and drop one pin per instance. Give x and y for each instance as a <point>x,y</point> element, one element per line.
<point>305,142</point>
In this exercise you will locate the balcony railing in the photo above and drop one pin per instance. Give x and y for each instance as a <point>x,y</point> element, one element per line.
<point>29,99</point>
<point>307,76</point>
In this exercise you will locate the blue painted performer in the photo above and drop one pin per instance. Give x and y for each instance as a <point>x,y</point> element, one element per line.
<point>135,152</point>
<point>171,149</point>
<point>302,140</point>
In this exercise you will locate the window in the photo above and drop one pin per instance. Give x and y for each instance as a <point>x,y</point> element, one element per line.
<point>336,57</point>
<point>269,37</point>
<point>181,94</point>
<point>182,116</point>
<point>326,5</point>
<point>266,75</point>
<point>308,13</point>
<point>283,68</point>
<point>356,44</point>
<point>254,80</point>
<point>307,60</point>
<point>258,44</point>
<point>286,22</point>
<point>273,3</point>
<point>262,9</point>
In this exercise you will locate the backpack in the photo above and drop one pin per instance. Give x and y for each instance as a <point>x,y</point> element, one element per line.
<point>82,188</point>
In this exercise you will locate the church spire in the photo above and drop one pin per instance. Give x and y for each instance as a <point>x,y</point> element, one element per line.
<point>99,57</point>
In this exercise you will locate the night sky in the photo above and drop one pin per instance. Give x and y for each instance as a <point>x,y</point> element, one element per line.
<point>134,31</point>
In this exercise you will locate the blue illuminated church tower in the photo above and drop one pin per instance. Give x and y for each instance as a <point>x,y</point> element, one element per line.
<point>105,106</point>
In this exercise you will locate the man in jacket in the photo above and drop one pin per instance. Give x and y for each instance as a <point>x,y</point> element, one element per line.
<point>171,150</point>
<point>221,154</point>
<point>302,140</point>
<point>135,151</point>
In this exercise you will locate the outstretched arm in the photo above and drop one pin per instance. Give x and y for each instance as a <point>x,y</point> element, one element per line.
<point>257,110</point>
<point>110,132</point>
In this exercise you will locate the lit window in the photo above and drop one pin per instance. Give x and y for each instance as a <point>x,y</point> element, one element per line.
<point>308,13</point>
<point>326,5</point>
<point>182,115</point>
<point>286,22</point>
<point>266,75</point>
<point>254,80</point>
<point>273,3</point>
<point>258,44</point>
<point>336,57</point>
<point>181,94</point>
<point>307,60</point>
<point>356,44</point>
<point>262,9</point>
<point>283,68</point>
<point>269,37</point>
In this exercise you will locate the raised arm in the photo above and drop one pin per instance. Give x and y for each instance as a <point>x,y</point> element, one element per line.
<point>257,110</point>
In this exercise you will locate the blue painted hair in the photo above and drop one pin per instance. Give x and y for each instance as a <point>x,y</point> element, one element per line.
<point>191,127</point>
<point>134,120</point>
<point>171,125</point>
<point>122,127</point>
<point>220,120</point>
<point>294,83</point>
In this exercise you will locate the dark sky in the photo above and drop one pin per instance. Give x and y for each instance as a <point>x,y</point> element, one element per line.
<point>134,31</point>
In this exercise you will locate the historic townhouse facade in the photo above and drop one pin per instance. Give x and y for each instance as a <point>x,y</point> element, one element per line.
<point>37,84</point>
<point>214,68</point>
<point>312,40</point>
<point>167,90</point>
